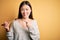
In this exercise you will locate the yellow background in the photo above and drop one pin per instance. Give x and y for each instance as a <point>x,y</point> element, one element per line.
<point>46,12</point>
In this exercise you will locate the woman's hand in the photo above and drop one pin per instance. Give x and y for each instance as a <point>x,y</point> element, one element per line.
<point>28,23</point>
<point>6,25</point>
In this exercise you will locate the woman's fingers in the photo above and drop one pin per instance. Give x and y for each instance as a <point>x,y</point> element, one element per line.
<point>6,25</point>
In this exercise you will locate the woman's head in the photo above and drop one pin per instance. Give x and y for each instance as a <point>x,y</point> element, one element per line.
<point>25,10</point>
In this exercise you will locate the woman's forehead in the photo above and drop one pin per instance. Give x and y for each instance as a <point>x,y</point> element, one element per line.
<point>25,6</point>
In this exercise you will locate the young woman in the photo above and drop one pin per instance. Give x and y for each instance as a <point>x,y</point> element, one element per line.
<point>25,27</point>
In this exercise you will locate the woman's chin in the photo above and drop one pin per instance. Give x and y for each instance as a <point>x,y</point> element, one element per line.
<point>25,17</point>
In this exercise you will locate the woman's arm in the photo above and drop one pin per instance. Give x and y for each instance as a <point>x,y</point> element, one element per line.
<point>10,33</point>
<point>34,32</point>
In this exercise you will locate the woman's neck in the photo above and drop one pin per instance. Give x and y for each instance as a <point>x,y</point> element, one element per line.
<point>25,18</point>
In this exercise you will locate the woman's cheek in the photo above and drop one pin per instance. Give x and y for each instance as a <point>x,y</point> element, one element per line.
<point>22,12</point>
<point>28,14</point>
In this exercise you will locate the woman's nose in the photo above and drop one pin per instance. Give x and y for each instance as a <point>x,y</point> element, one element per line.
<point>24,11</point>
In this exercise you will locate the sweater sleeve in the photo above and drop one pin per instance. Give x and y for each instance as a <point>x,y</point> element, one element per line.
<point>34,32</point>
<point>10,34</point>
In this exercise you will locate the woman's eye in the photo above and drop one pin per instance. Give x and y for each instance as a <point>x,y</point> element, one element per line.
<point>26,9</point>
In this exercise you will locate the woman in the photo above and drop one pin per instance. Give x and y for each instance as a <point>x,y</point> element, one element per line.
<point>25,27</point>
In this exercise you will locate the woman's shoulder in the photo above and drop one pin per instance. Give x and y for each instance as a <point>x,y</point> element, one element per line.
<point>14,21</point>
<point>34,21</point>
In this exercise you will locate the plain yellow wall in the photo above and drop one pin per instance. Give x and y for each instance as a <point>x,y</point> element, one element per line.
<point>46,12</point>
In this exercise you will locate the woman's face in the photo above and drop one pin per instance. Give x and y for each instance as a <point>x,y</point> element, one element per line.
<point>25,11</point>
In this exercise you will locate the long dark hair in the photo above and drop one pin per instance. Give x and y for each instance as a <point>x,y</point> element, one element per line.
<point>23,3</point>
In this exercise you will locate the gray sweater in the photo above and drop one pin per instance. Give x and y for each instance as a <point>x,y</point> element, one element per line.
<point>18,33</point>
